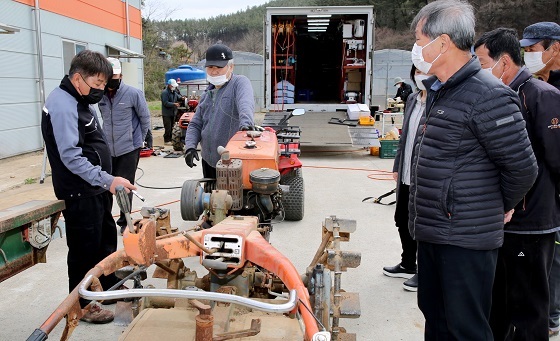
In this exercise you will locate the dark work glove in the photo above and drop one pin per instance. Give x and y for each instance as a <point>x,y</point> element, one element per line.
<point>191,154</point>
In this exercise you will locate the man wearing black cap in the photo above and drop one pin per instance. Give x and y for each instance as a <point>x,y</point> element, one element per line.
<point>541,42</point>
<point>225,108</point>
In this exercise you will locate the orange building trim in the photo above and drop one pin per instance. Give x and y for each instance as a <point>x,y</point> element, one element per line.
<point>110,15</point>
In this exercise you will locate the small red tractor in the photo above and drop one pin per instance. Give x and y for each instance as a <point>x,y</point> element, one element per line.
<point>191,92</point>
<point>261,173</point>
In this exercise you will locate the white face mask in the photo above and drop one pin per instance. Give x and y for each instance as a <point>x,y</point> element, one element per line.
<point>534,62</point>
<point>418,79</point>
<point>490,69</point>
<point>418,57</point>
<point>217,80</point>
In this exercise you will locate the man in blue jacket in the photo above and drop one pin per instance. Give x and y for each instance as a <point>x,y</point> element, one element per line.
<point>126,120</point>
<point>81,169</point>
<point>520,297</point>
<point>227,106</point>
<point>472,164</point>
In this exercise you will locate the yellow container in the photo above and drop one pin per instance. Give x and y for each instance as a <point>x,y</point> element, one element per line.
<point>374,151</point>
<point>366,121</point>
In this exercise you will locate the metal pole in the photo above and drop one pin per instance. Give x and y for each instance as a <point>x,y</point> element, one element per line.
<point>39,42</point>
<point>127,28</point>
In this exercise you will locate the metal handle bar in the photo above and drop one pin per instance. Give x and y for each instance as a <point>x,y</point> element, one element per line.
<point>198,295</point>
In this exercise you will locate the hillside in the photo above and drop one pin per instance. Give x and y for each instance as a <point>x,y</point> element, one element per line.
<point>186,40</point>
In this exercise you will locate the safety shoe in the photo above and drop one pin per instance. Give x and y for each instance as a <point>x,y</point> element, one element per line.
<point>398,271</point>
<point>98,315</point>
<point>411,284</point>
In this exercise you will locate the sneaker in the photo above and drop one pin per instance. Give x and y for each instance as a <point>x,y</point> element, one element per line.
<point>398,271</point>
<point>98,315</point>
<point>552,333</point>
<point>411,284</point>
<point>168,143</point>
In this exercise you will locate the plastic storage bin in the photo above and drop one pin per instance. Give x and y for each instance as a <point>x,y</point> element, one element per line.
<point>388,149</point>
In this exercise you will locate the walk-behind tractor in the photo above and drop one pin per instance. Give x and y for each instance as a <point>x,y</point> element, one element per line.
<point>259,174</point>
<point>251,290</point>
<point>185,112</point>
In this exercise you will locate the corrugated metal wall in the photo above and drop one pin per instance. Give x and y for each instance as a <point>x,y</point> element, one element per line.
<point>388,64</point>
<point>20,102</point>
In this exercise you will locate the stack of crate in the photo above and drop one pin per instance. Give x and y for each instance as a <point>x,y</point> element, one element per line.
<point>284,92</point>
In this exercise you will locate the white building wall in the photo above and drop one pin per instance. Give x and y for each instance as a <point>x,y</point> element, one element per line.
<point>20,100</point>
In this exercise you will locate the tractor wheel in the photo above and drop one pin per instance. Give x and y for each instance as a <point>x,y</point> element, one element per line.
<point>176,139</point>
<point>293,200</point>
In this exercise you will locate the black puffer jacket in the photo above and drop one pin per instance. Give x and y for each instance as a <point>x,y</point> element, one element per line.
<point>472,161</point>
<point>539,211</point>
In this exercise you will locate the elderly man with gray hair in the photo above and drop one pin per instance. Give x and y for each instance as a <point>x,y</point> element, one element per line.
<point>472,163</point>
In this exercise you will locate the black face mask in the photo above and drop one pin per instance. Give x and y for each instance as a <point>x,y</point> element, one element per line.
<point>94,96</point>
<point>113,84</point>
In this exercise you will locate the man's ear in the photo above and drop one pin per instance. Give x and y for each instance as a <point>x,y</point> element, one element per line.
<point>445,43</point>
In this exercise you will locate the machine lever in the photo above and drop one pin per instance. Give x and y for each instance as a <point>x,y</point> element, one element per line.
<point>124,205</point>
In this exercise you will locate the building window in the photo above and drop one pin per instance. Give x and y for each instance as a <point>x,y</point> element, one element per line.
<point>69,50</point>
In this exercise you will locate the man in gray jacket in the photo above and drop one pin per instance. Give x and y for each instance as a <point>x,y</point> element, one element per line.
<point>472,164</point>
<point>226,107</point>
<point>126,120</point>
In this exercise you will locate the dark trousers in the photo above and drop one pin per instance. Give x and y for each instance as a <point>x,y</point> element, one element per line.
<point>554,288</point>
<point>149,139</point>
<point>91,235</point>
<point>520,298</point>
<point>409,247</point>
<point>455,291</point>
<point>208,171</point>
<point>168,122</point>
<point>125,166</point>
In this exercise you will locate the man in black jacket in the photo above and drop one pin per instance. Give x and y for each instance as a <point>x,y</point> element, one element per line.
<point>471,165</point>
<point>169,104</point>
<point>404,89</point>
<point>520,298</point>
<point>81,169</point>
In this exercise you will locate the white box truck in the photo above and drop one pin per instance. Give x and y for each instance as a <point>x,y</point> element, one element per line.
<point>319,59</point>
<point>322,56</point>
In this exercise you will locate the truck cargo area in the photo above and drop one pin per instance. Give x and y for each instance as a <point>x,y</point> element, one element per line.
<point>318,60</point>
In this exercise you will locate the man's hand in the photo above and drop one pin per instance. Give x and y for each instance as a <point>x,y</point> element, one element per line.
<point>508,215</point>
<point>251,128</point>
<point>395,176</point>
<point>176,104</point>
<point>190,155</point>
<point>121,181</point>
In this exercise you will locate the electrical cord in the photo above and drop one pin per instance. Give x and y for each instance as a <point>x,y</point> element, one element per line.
<point>151,187</point>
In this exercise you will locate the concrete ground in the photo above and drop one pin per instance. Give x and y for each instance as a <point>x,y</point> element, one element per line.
<point>337,178</point>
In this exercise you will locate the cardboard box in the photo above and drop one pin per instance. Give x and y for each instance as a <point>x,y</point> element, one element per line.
<point>354,86</point>
<point>354,76</point>
<point>356,110</point>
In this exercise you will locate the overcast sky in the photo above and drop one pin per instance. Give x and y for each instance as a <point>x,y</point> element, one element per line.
<point>194,9</point>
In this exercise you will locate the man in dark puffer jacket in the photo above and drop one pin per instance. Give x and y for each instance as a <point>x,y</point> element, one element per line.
<point>472,163</point>
<point>520,298</point>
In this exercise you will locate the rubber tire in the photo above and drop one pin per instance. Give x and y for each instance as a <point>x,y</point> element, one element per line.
<point>293,201</point>
<point>189,197</point>
<point>176,139</point>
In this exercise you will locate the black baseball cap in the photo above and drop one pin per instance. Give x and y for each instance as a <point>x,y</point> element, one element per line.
<point>532,34</point>
<point>218,55</point>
